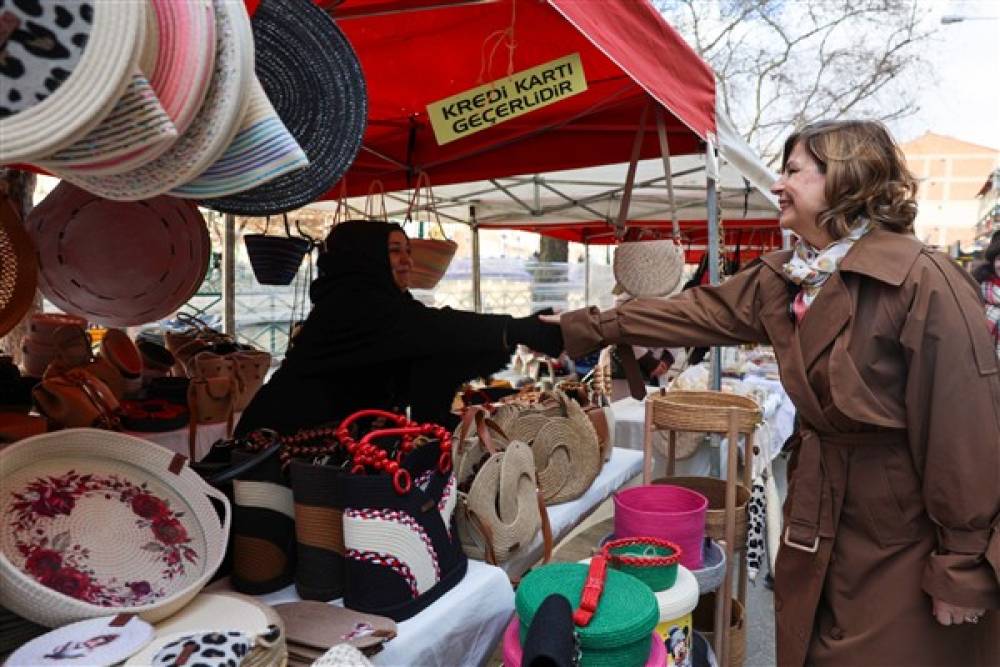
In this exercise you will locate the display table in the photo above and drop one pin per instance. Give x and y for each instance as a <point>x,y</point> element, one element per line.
<point>462,627</point>
<point>564,517</point>
<point>177,440</point>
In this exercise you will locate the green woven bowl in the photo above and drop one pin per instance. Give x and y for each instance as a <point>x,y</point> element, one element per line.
<point>651,560</point>
<point>618,634</point>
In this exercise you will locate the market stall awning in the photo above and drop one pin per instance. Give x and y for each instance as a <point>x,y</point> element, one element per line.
<point>417,53</point>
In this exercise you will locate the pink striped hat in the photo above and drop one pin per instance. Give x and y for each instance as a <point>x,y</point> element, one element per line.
<point>179,62</point>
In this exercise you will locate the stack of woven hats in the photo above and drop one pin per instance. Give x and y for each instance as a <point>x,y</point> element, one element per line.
<point>132,100</point>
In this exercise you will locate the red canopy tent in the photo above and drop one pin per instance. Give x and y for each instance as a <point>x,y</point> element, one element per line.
<point>417,52</point>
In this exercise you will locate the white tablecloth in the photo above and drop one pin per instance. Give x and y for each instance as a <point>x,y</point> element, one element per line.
<point>623,466</point>
<point>178,440</point>
<point>462,627</point>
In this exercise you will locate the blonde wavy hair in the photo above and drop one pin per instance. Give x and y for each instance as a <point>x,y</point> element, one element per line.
<point>866,175</point>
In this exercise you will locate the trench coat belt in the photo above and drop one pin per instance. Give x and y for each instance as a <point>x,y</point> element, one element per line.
<point>812,499</point>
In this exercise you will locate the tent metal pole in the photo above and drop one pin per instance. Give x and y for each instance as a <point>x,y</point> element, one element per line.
<point>229,275</point>
<point>586,273</point>
<point>712,208</point>
<point>477,288</point>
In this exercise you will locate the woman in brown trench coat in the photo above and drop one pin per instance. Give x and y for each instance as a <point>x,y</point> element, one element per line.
<point>891,547</point>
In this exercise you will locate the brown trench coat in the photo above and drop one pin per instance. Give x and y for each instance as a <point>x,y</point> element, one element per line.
<point>894,485</point>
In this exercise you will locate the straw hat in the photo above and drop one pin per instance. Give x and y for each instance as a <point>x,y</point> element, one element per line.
<point>648,268</point>
<point>96,522</point>
<point>261,151</point>
<point>181,55</point>
<point>18,268</point>
<point>157,261</point>
<point>65,70</point>
<point>313,77</point>
<point>212,130</point>
<point>137,121</point>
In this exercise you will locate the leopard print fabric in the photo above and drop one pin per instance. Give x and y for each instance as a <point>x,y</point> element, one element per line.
<point>756,536</point>
<point>41,43</point>
<point>210,649</point>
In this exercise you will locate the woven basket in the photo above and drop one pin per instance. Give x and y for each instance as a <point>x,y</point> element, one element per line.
<point>669,512</point>
<point>431,259</point>
<point>703,411</point>
<point>651,560</point>
<point>618,634</point>
<point>713,567</point>
<point>512,653</point>
<point>121,531</point>
<point>704,622</point>
<point>275,259</point>
<point>715,518</point>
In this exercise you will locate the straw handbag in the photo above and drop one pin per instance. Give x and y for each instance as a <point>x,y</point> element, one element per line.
<point>567,453</point>
<point>431,257</point>
<point>250,367</point>
<point>212,394</point>
<point>649,268</point>
<point>502,510</point>
<point>97,523</point>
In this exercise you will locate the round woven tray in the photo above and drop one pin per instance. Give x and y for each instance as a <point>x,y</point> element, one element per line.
<point>715,518</point>
<point>96,523</point>
<point>703,411</point>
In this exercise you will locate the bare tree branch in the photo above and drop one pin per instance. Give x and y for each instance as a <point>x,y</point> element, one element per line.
<point>783,64</point>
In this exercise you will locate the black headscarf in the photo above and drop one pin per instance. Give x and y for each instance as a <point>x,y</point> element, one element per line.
<point>356,256</point>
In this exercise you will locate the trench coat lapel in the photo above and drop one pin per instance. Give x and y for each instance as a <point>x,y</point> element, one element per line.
<point>825,319</point>
<point>787,342</point>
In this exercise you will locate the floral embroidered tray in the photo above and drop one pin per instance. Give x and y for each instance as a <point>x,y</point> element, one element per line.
<point>97,521</point>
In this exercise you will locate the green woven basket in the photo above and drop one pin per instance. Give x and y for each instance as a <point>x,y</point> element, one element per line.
<point>618,634</point>
<point>651,560</point>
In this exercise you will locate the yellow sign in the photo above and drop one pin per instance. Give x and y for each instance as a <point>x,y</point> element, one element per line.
<point>498,101</point>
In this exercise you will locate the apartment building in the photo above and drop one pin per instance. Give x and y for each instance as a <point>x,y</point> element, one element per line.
<point>951,174</point>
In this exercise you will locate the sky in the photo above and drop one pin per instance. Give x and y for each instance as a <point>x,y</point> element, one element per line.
<point>964,100</point>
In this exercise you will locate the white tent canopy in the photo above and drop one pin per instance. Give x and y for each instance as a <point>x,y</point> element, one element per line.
<point>594,194</point>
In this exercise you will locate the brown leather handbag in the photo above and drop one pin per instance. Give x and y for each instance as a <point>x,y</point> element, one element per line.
<point>77,398</point>
<point>251,368</point>
<point>211,394</point>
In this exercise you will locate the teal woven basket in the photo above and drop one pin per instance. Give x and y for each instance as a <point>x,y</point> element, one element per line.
<point>618,634</point>
<point>651,560</point>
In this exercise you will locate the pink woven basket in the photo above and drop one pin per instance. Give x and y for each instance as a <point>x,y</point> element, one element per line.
<point>512,647</point>
<point>665,511</point>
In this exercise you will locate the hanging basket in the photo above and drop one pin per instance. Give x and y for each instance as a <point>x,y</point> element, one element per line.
<point>276,259</point>
<point>431,257</point>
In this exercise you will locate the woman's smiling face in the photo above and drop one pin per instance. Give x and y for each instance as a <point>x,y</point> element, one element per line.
<point>801,191</point>
<point>400,261</point>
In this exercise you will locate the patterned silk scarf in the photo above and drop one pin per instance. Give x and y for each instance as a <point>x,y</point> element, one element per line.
<point>991,295</point>
<point>810,268</point>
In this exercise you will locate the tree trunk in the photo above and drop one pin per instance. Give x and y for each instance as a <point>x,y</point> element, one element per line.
<point>552,250</point>
<point>19,187</point>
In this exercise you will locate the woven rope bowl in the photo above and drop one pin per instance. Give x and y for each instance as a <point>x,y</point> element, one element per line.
<point>715,518</point>
<point>95,523</point>
<point>703,411</point>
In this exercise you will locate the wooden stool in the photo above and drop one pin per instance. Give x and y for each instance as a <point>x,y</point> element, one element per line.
<point>724,414</point>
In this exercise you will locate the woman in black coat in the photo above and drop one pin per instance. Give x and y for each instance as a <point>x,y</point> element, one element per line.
<point>367,343</point>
